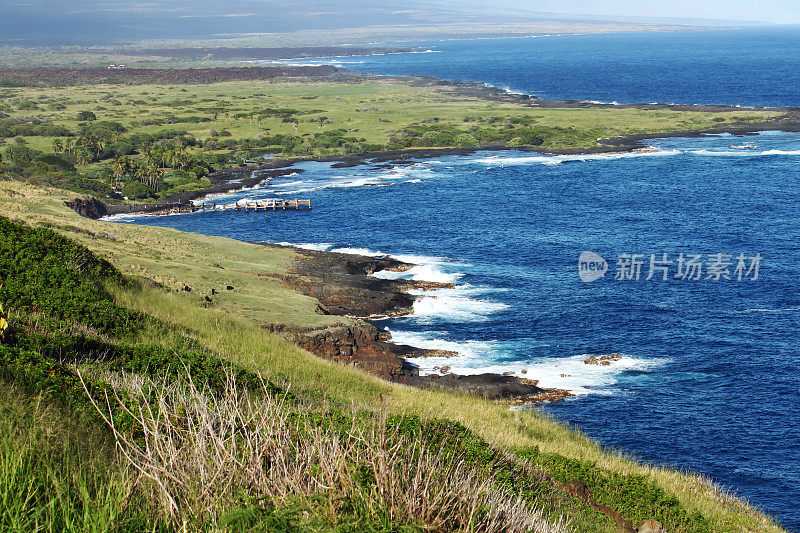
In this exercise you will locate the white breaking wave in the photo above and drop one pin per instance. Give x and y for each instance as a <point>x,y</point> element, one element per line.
<point>418,259</point>
<point>422,271</point>
<point>781,152</point>
<point>334,183</point>
<point>558,159</point>
<point>743,153</point>
<point>358,251</point>
<point>471,352</point>
<point>122,217</point>
<point>454,305</point>
<point>481,357</point>
<point>572,374</point>
<point>407,173</point>
<point>405,258</point>
<point>320,247</point>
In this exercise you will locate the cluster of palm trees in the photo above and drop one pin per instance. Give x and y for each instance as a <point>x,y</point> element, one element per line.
<point>168,156</point>
<point>83,149</point>
<point>130,167</point>
<point>149,169</point>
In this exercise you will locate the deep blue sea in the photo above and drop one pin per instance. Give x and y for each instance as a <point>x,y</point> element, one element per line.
<point>709,377</point>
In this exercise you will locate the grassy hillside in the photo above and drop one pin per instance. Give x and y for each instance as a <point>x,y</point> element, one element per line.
<point>162,370</point>
<point>153,140</point>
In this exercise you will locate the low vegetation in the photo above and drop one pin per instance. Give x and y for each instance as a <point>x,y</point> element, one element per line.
<point>153,139</point>
<point>157,413</point>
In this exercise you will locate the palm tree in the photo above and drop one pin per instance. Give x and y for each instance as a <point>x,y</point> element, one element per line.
<point>122,166</point>
<point>99,146</point>
<point>140,172</point>
<point>182,160</point>
<point>58,146</point>
<point>83,155</point>
<point>155,155</point>
<point>157,177</point>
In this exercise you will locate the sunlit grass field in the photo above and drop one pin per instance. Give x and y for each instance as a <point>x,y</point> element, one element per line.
<point>373,109</point>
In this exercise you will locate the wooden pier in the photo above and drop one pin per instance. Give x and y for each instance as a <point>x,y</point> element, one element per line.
<point>267,204</point>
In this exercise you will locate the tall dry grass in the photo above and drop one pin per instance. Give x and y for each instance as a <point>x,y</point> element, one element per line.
<point>201,450</point>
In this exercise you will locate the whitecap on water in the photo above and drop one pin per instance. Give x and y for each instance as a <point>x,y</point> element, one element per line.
<point>742,153</point>
<point>321,246</point>
<point>358,251</point>
<point>422,271</point>
<point>480,357</point>
<point>559,159</point>
<point>454,305</point>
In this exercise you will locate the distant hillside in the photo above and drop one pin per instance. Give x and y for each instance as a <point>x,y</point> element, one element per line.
<point>94,22</point>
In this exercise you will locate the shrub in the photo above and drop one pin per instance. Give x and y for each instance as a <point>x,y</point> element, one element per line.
<point>466,140</point>
<point>57,162</point>
<point>20,154</point>
<point>136,190</point>
<point>46,273</point>
<point>86,116</point>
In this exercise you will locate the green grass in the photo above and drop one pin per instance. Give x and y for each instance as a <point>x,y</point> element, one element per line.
<point>224,123</point>
<point>355,107</point>
<point>203,433</point>
<point>58,473</point>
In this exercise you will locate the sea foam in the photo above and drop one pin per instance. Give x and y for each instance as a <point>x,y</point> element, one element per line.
<point>559,159</point>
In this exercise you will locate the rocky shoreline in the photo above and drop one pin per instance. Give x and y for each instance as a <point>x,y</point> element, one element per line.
<point>343,284</point>
<point>222,180</point>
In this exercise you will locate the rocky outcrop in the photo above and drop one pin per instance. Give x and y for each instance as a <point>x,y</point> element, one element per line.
<point>343,285</point>
<point>89,207</point>
<point>362,345</point>
<point>359,344</point>
<point>491,387</point>
<point>603,360</point>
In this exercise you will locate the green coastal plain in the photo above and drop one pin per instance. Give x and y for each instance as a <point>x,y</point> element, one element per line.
<point>77,135</point>
<point>130,404</point>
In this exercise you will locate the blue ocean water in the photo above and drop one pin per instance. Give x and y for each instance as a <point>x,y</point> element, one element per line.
<point>748,67</point>
<point>707,378</point>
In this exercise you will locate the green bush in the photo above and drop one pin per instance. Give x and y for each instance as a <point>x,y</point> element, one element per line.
<point>20,154</point>
<point>57,474</point>
<point>86,116</point>
<point>136,190</point>
<point>43,272</point>
<point>466,140</point>
<point>57,162</point>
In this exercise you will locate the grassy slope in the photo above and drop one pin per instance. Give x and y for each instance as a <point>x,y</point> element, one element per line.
<point>232,330</point>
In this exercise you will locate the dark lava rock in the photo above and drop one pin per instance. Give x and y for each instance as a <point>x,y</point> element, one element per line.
<point>489,386</point>
<point>89,207</point>
<point>343,285</point>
